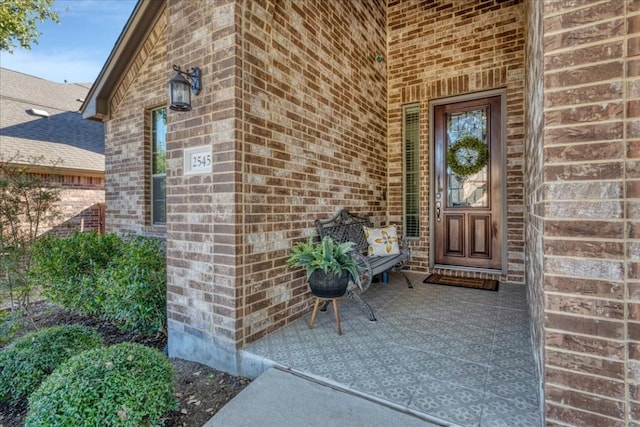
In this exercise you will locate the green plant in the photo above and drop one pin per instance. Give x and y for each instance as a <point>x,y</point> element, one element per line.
<point>467,156</point>
<point>10,325</point>
<point>27,208</point>
<point>118,279</point>
<point>327,255</point>
<point>20,22</point>
<point>135,286</point>
<point>29,359</point>
<point>125,385</point>
<point>68,269</point>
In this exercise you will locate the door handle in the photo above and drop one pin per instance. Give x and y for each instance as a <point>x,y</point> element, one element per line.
<point>438,211</point>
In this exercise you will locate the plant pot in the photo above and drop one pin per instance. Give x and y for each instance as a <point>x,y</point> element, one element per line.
<point>328,285</point>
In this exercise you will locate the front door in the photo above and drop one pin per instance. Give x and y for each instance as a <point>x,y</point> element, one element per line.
<point>467,196</point>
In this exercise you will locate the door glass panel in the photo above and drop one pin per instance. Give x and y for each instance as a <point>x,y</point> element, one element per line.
<point>471,190</point>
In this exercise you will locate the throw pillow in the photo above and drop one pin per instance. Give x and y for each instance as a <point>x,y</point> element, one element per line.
<point>382,241</point>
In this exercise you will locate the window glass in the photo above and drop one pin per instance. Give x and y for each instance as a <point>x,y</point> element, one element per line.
<point>158,166</point>
<point>471,190</point>
<point>411,137</point>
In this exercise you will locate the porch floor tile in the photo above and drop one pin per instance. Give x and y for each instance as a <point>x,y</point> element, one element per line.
<point>460,355</point>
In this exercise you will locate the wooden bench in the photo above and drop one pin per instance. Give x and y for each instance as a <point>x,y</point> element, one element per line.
<point>345,227</point>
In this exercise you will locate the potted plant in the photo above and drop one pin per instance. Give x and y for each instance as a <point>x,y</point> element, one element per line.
<point>329,266</point>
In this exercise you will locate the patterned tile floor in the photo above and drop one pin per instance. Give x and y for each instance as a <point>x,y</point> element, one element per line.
<point>460,355</point>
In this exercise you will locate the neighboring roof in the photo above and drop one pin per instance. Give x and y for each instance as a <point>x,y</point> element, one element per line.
<point>136,30</point>
<point>63,135</point>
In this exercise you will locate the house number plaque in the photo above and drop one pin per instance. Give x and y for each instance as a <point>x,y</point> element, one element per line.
<point>198,160</point>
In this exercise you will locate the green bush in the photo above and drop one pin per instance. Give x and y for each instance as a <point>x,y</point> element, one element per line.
<point>118,279</point>
<point>68,268</point>
<point>28,360</point>
<point>122,385</point>
<point>135,287</point>
<point>10,325</point>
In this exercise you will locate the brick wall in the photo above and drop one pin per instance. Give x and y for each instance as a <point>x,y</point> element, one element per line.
<point>81,210</point>
<point>590,212</point>
<point>204,251</point>
<point>632,200</point>
<point>314,108</point>
<point>297,131</point>
<point>302,120</point>
<point>202,235</point>
<point>142,88</point>
<point>439,49</point>
<point>294,107</point>
<point>534,183</point>
<point>81,205</point>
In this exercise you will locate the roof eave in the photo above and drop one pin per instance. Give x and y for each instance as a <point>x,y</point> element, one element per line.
<point>140,23</point>
<point>59,170</point>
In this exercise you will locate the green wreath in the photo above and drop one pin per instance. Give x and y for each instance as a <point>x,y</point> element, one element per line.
<point>467,155</point>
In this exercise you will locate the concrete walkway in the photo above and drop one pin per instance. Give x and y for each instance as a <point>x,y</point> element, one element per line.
<point>281,398</point>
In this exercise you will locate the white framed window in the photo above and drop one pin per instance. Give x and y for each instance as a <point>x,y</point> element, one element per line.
<point>411,178</point>
<point>159,166</point>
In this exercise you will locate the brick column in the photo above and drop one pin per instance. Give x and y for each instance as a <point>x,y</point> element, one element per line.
<point>590,211</point>
<point>203,251</point>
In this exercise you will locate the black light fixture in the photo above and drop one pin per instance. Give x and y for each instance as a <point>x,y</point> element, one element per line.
<point>181,86</point>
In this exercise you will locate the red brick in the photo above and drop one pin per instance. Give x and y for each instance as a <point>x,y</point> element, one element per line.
<point>585,326</point>
<point>612,389</point>
<point>584,152</point>
<point>570,416</point>
<point>584,287</point>
<point>588,345</point>
<point>580,409</point>
<point>600,92</point>
<point>584,228</point>
<point>585,306</point>
<point>586,364</point>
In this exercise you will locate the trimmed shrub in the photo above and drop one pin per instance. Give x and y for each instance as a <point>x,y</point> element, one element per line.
<point>135,287</point>
<point>125,385</point>
<point>28,360</point>
<point>117,279</point>
<point>68,268</point>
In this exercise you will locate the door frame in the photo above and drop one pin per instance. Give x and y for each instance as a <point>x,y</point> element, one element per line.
<point>502,92</point>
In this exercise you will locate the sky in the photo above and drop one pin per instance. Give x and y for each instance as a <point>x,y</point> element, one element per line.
<point>75,49</point>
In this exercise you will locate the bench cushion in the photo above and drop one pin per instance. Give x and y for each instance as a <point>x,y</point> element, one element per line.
<point>383,263</point>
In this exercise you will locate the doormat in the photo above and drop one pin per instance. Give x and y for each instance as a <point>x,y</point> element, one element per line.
<point>464,282</point>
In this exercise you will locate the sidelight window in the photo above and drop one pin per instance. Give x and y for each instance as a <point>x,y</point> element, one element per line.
<point>158,166</point>
<point>411,153</point>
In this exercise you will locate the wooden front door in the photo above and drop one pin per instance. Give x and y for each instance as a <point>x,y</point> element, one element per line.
<point>467,194</point>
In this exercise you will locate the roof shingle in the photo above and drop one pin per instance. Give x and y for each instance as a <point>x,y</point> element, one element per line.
<point>64,135</point>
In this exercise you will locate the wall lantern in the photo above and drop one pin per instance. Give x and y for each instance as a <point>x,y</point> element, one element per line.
<point>179,85</point>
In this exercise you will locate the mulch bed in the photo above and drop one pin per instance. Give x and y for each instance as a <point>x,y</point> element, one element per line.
<point>201,390</point>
